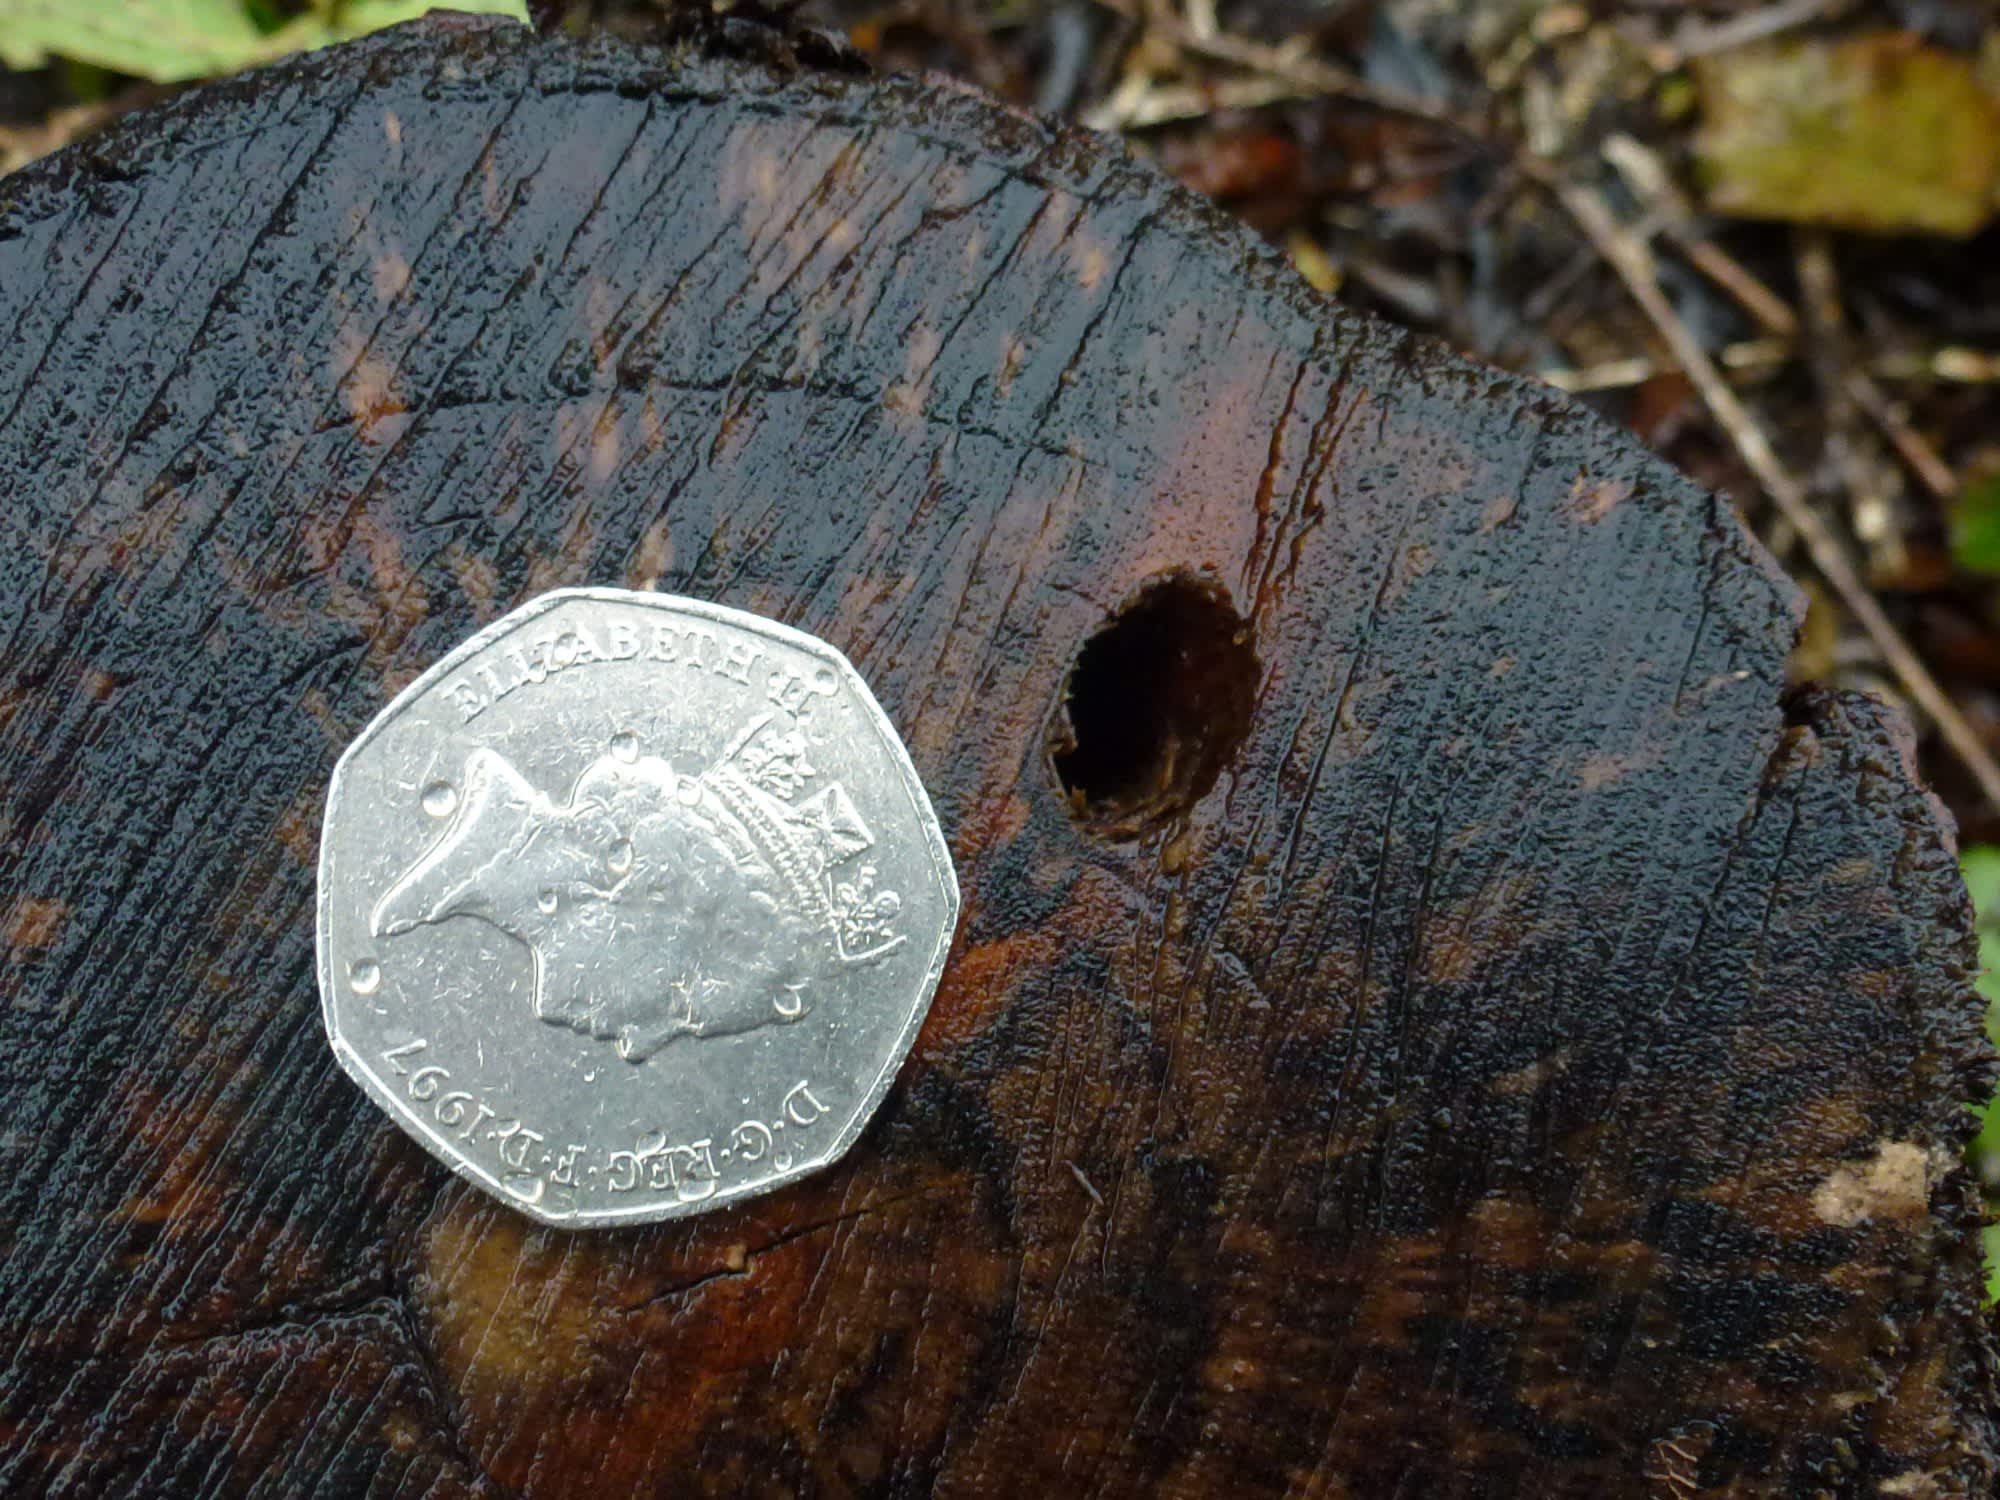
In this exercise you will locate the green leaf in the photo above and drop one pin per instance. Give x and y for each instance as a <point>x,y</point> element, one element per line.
<point>1869,131</point>
<point>171,41</point>
<point>166,40</point>
<point>1975,534</point>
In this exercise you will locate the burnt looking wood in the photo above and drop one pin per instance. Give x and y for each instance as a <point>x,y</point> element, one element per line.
<point>1433,1017</point>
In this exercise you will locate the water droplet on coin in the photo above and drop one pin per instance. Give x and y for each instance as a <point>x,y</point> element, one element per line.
<point>620,858</point>
<point>625,745</point>
<point>440,798</point>
<point>365,975</point>
<point>546,901</point>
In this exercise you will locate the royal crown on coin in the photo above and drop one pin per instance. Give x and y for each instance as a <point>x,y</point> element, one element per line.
<point>758,781</point>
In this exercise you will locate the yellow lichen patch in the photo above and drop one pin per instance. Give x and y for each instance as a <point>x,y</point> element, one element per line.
<point>1894,1183</point>
<point>34,922</point>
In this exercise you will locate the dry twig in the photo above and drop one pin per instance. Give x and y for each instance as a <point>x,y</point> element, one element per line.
<point>1747,357</point>
<point>1760,23</point>
<point>1753,357</point>
<point>1647,177</point>
<point>1932,471</point>
<point>1291,63</point>
<point>1871,478</point>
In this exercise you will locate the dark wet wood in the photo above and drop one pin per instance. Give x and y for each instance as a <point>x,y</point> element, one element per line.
<point>1508,1047</point>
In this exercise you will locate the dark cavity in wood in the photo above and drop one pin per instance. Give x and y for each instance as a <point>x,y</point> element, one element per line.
<point>1157,704</point>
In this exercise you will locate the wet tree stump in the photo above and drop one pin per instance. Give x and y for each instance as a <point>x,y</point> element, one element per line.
<point>1433,1015</point>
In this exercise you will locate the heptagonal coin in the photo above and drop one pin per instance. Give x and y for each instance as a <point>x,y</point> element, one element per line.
<point>630,907</point>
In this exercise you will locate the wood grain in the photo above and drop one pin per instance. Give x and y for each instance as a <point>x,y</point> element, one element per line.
<point>1485,1037</point>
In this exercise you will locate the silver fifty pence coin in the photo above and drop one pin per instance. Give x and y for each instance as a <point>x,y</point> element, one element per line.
<point>630,906</point>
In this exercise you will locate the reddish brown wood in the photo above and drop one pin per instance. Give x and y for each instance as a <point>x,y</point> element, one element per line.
<point>1463,1030</point>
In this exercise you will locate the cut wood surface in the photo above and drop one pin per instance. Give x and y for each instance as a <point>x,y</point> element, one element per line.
<point>1433,1015</point>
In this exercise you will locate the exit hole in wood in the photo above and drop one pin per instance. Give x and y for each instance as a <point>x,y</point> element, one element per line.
<point>1155,705</point>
